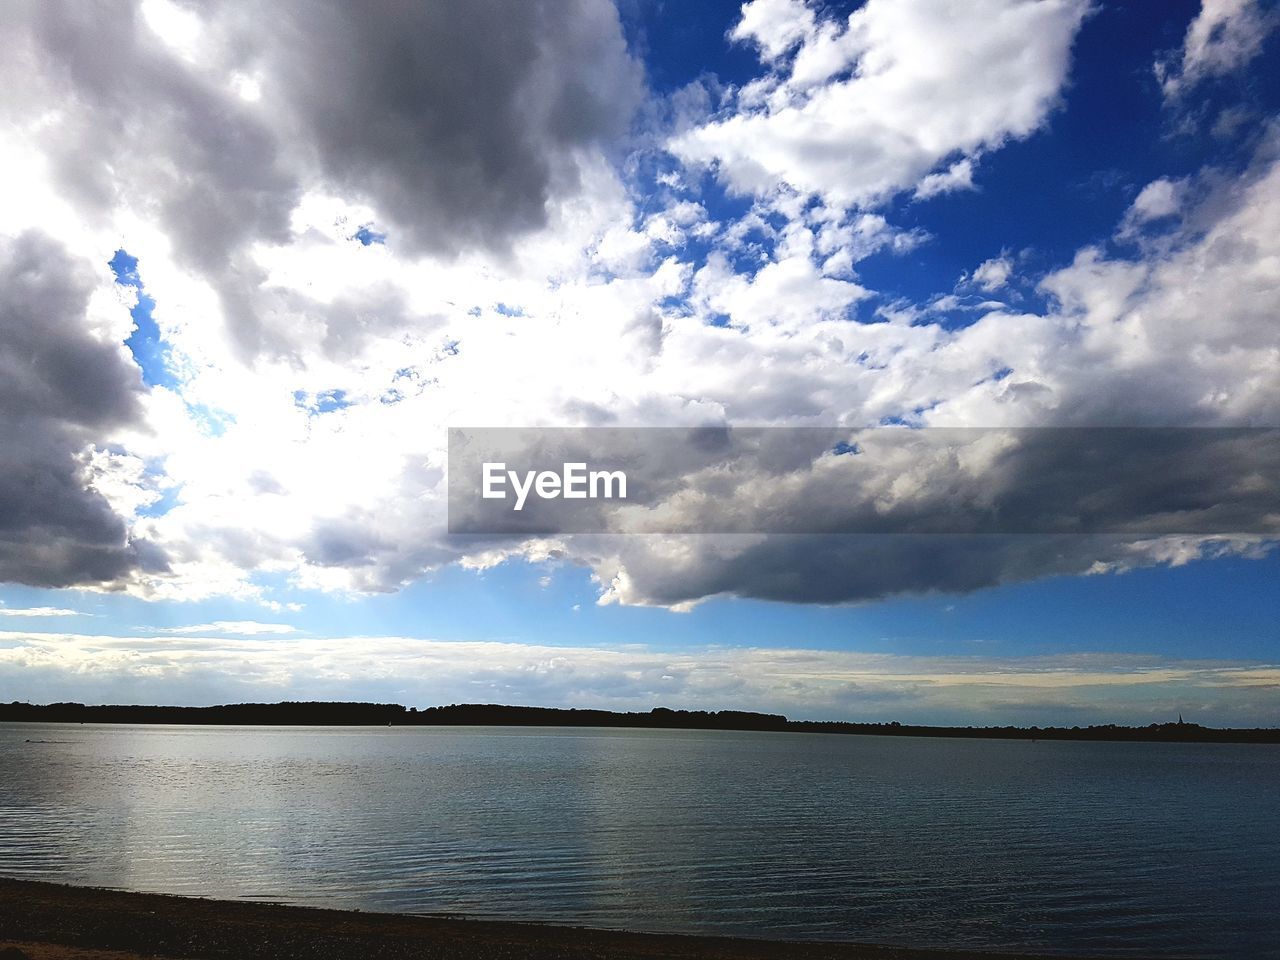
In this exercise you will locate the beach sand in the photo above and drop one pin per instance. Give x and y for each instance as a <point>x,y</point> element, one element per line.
<point>45,921</point>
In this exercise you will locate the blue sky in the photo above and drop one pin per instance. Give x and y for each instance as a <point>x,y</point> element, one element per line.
<point>1179,612</point>
<point>774,213</point>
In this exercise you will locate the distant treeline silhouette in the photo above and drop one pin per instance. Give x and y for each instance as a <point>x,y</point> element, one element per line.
<point>480,714</point>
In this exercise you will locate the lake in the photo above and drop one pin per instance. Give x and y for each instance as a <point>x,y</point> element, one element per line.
<point>1103,848</point>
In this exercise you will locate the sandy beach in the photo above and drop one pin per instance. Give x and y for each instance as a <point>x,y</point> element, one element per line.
<point>45,921</point>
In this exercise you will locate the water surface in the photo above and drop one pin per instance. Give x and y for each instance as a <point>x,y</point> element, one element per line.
<point>1103,848</point>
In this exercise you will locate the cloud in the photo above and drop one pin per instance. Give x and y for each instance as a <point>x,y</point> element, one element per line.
<point>461,130</point>
<point>1180,334</point>
<point>1177,334</point>
<point>869,107</point>
<point>1224,36</point>
<point>958,176</point>
<point>64,386</point>
<point>991,275</point>
<point>143,126</point>
<point>886,482</point>
<point>775,26</point>
<point>532,274</point>
<point>1184,330</point>
<point>851,568</point>
<point>802,683</point>
<point>246,628</point>
<point>1159,200</point>
<point>458,124</point>
<point>39,612</point>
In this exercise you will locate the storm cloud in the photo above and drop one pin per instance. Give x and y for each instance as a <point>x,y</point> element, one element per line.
<point>61,388</point>
<point>458,122</point>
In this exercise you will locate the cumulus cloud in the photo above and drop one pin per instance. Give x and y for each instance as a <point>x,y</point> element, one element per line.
<point>853,568</point>
<point>462,128</point>
<point>63,386</point>
<point>459,123</point>
<point>869,107</point>
<point>887,481</point>
<point>526,278</point>
<point>1178,335</point>
<point>1159,202</point>
<point>991,275</point>
<point>958,176</point>
<point>1224,36</point>
<point>1159,198</point>
<point>1186,329</point>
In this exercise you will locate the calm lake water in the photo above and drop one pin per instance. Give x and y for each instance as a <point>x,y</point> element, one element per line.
<point>1165,849</point>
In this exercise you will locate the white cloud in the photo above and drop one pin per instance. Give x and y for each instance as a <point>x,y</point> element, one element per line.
<point>991,275</point>
<point>245,628</point>
<point>179,28</point>
<point>775,26</point>
<point>802,683</point>
<point>1182,334</point>
<point>958,176</point>
<point>1224,36</point>
<point>1157,200</point>
<point>39,612</point>
<point>871,107</point>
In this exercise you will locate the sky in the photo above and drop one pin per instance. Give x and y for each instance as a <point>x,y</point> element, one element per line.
<point>253,268</point>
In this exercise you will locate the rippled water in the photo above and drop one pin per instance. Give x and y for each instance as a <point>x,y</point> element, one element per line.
<point>1165,849</point>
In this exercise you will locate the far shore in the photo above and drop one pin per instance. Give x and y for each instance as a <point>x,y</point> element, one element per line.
<point>47,921</point>
<point>322,713</point>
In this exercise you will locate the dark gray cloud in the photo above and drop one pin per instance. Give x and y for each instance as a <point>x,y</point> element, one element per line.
<point>770,514</point>
<point>138,126</point>
<point>1146,481</point>
<point>457,120</point>
<point>845,569</point>
<point>60,389</point>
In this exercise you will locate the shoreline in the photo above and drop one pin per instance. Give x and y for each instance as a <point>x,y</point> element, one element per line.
<point>355,714</point>
<point>51,921</point>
